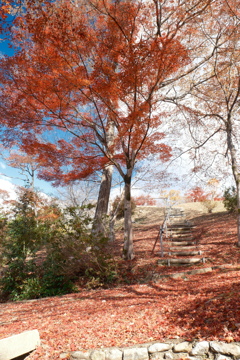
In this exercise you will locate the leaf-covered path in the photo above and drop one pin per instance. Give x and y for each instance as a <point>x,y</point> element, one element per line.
<point>203,306</point>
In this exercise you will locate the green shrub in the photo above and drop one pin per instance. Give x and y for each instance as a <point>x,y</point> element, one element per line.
<point>78,252</point>
<point>230,199</point>
<point>30,289</point>
<point>16,274</point>
<point>46,249</point>
<point>21,241</point>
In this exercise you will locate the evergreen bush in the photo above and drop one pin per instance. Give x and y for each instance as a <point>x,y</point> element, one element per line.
<point>230,199</point>
<point>45,249</point>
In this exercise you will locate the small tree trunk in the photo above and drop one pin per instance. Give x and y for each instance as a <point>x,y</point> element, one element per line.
<point>238,210</point>
<point>112,237</point>
<point>103,201</point>
<point>99,223</point>
<point>112,220</point>
<point>235,172</point>
<point>128,253</point>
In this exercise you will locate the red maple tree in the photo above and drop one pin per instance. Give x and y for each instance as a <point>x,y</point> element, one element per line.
<point>196,194</point>
<point>144,200</point>
<point>84,87</point>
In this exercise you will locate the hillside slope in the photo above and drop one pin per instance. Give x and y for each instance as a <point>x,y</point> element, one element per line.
<point>138,309</point>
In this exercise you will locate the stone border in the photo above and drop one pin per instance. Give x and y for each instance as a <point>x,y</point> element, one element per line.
<point>156,277</point>
<point>171,350</point>
<point>18,345</point>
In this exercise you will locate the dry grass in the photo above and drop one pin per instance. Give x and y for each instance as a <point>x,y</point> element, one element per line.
<point>193,209</point>
<point>145,215</point>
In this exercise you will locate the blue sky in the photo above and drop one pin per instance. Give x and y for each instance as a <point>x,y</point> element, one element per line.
<point>10,174</point>
<point>7,173</point>
<point>13,176</point>
<point>5,49</point>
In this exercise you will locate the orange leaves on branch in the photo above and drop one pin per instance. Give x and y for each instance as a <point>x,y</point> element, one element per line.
<point>146,200</point>
<point>81,69</point>
<point>196,194</point>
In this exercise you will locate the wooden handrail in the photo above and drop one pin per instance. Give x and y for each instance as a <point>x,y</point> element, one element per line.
<point>163,228</point>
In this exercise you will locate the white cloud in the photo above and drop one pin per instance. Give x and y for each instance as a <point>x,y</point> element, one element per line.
<point>9,187</point>
<point>2,165</point>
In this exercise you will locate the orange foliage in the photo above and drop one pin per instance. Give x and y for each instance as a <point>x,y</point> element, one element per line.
<point>144,200</point>
<point>196,194</point>
<point>86,84</point>
<point>77,71</point>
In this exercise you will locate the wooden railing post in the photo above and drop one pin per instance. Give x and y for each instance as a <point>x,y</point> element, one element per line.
<point>161,241</point>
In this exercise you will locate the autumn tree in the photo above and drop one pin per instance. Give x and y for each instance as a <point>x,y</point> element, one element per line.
<point>171,197</point>
<point>95,74</point>
<point>142,200</point>
<point>27,166</point>
<point>10,9</point>
<point>196,194</point>
<point>214,112</point>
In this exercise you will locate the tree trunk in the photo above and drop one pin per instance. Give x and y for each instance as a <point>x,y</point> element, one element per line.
<point>102,202</point>
<point>99,223</point>
<point>235,172</point>
<point>238,210</point>
<point>128,253</point>
<point>113,217</point>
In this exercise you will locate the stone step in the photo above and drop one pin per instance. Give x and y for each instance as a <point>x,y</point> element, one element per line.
<point>176,215</point>
<point>183,248</point>
<point>180,232</point>
<point>182,261</point>
<point>183,274</point>
<point>179,235</point>
<point>182,243</point>
<point>185,253</point>
<point>176,210</point>
<point>181,238</point>
<point>181,226</point>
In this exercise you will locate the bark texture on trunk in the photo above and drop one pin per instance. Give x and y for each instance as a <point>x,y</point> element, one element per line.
<point>128,253</point>
<point>99,224</point>
<point>113,217</point>
<point>236,174</point>
<point>103,201</point>
<point>238,211</point>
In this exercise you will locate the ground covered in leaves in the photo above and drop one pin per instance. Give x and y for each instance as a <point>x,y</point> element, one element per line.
<point>136,309</point>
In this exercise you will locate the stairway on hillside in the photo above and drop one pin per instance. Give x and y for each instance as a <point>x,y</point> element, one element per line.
<point>180,246</point>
